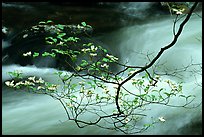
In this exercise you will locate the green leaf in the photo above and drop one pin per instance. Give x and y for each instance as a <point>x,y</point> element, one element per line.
<point>53,55</point>
<point>65,78</point>
<point>74,39</point>
<point>49,21</point>
<point>48,54</point>
<point>161,89</point>
<point>73,96</point>
<point>48,42</point>
<point>42,23</point>
<point>83,23</point>
<point>17,87</point>
<point>147,125</point>
<point>55,40</point>
<point>60,26</point>
<point>92,85</point>
<point>160,97</point>
<point>153,97</point>
<point>73,86</point>
<point>145,76</point>
<point>168,94</point>
<point>105,60</point>
<point>89,26</point>
<point>89,44</point>
<point>135,101</point>
<point>97,97</point>
<point>105,50</point>
<point>84,63</point>
<point>16,74</point>
<point>35,54</point>
<point>59,51</point>
<point>179,88</point>
<point>76,52</point>
<point>146,88</point>
<point>140,83</point>
<point>60,35</point>
<point>74,58</point>
<point>58,73</point>
<point>50,39</point>
<point>45,54</point>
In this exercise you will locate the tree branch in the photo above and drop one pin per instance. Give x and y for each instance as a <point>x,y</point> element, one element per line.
<point>176,36</point>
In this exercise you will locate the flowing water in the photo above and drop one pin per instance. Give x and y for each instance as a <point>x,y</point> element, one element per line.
<point>27,113</point>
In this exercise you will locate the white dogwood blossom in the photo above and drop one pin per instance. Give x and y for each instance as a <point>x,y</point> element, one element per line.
<point>27,54</point>
<point>161,119</point>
